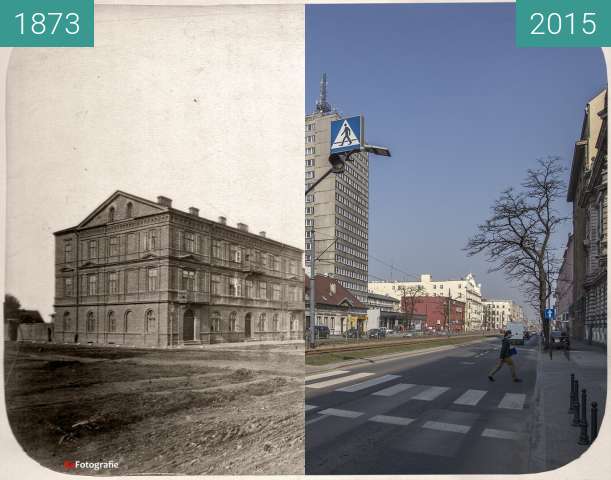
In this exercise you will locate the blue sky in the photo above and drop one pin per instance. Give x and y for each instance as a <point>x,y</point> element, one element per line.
<point>464,111</point>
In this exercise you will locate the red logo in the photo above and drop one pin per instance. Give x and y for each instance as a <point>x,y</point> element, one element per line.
<point>69,464</point>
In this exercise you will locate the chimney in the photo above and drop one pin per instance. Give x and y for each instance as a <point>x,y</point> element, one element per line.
<point>164,201</point>
<point>194,211</point>
<point>262,233</point>
<point>332,288</point>
<point>223,220</point>
<point>243,227</point>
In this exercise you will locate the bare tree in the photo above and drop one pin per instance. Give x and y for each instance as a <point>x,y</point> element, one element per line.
<point>517,237</point>
<point>409,299</point>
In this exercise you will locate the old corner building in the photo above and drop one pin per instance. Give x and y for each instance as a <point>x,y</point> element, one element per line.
<point>138,272</point>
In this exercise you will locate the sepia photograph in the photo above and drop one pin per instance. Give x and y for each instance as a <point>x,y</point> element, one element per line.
<point>154,301</point>
<point>456,243</point>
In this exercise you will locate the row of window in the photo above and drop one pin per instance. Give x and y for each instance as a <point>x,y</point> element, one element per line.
<point>310,162</point>
<point>350,204</point>
<point>309,198</point>
<point>310,150</point>
<point>129,212</point>
<point>342,247</point>
<point>353,218</point>
<point>310,139</point>
<point>351,228</point>
<point>309,210</point>
<point>354,184</point>
<point>350,273</point>
<point>358,197</point>
<point>350,239</point>
<point>354,286</point>
<point>309,174</point>
<point>309,127</point>
<point>350,171</point>
<point>350,262</point>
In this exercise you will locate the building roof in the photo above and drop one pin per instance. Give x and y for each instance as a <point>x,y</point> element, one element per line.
<point>329,291</point>
<point>382,297</point>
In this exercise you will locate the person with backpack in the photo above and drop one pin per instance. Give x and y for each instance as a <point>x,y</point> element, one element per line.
<point>505,359</point>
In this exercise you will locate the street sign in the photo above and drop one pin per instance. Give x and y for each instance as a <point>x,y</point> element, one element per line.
<point>346,134</point>
<point>550,313</point>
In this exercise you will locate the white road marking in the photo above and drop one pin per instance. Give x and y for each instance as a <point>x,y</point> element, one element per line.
<point>446,427</point>
<point>468,363</point>
<point>310,407</point>
<point>504,434</point>
<point>336,412</point>
<point>315,419</point>
<point>430,393</point>
<point>333,373</point>
<point>367,383</point>
<point>390,391</point>
<point>470,397</point>
<point>335,381</point>
<point>392,420</point>
<point>513,401</point>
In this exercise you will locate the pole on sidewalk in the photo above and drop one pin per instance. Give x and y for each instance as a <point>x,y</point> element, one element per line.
<point>583,435</point>
<point>576,421</point>
<point>594,422</point>
<point>312,292</point>
<point>572,394</point>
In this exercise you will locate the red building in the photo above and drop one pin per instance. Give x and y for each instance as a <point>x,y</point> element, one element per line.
<point>438,313</point>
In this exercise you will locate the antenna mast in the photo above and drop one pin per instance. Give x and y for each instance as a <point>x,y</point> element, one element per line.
<point>322,106</point>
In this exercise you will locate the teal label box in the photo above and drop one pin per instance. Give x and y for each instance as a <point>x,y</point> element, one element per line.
<point>46,23</point>
<point>563,23</point>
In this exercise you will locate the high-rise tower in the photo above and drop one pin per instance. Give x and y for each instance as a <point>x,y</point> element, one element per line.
<point>338,208</point>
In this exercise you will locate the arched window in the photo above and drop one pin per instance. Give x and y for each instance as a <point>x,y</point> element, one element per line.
<point>111,214</point>
<point>275,322</point>
<point>292,322</point>
<point>130,326</point>
<point>261,326</point>
<point>215,322</point>
<point>130,210</point>
<point>232,321</point>
<point>149,321</point>
<point>112,322</point>
<point>67,323</point>
<point>90,322</point>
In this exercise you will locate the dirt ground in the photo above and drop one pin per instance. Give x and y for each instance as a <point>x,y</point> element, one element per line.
<point>234,410</point>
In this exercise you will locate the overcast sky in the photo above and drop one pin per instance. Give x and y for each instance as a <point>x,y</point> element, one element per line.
<point>464,111</point>
<point>203,105</point>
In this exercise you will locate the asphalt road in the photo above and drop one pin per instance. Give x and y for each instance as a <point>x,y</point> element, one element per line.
<point>429,414</point>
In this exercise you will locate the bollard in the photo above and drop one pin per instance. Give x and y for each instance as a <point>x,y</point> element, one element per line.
<point>594,422</point>
<point>576,421</point>
<point>572,394</point>
<point>583,435</point>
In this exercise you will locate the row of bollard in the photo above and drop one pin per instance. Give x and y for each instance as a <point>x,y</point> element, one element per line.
<point>580,414</point>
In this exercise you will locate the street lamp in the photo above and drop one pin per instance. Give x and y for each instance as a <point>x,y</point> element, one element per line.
<point>338,165</point>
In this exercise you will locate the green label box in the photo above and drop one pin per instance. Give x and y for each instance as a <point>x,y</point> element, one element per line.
<point>46,23</point>
<point>563,23</point>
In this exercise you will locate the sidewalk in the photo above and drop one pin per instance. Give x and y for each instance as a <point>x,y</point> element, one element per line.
<point>553,440</point>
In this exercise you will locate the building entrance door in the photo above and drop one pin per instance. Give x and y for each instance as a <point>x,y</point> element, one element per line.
<point>188,326</point>
<point>247,325</point>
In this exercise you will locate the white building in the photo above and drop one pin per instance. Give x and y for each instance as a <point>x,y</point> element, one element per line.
<point>465,290</point>
<point>497,313</point>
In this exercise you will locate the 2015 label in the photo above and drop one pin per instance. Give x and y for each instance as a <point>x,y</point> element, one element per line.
<point>554,23</point>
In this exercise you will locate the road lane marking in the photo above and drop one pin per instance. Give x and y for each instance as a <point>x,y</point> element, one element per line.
<point>390,391</point>
<point>391,420</point>
<point>335,381</point>
<point>503,434</point>
<point>368,383</point>
<point>336,412</point>
<point>310,407</point>
<point>513,401</point>
<point>333,373</point>
<point>446,427</point>
<point>470,397</point>
<point>315,419</point>
<point>430,393</point>
<point>468,363</point>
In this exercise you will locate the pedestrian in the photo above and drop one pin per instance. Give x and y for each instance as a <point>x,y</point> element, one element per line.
<point>505,358</point>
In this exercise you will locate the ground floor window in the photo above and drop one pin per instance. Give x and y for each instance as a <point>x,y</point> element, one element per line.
<point>149,321</point>
<point>261,325</point>
<point>112,322</point>
<point>232,321</point>
<point>90,322</point>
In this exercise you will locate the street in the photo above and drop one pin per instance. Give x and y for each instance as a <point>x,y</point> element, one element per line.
<point>432,413</point>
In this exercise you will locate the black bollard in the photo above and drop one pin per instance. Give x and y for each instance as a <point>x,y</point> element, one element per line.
<point>572,394</point>
<point>594,421</point>
<point>576,421</point>
<point>583,435</point>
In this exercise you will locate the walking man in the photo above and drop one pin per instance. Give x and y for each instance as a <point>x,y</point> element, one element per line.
<point>505,358</point>
<point>346,134</point>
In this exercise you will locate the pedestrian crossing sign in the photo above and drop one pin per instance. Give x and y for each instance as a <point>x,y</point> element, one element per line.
<point>346,134</point>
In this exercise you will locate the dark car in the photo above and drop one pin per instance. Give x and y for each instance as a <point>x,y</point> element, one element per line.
<point>376,333</point>
<point>560,339</point>
<point>351,333</point>
<point>322,331</point>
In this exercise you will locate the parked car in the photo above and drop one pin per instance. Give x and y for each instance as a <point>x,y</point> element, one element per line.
<point>560,339</point>
<point>351,333</point>
<point>388,331</point>
<point>376,333</point>
<point>322,331</point>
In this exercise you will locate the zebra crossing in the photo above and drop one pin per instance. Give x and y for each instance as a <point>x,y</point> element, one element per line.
<point>378,386</point>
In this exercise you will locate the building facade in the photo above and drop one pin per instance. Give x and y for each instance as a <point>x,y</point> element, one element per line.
<point>564,285</point>
<point>138,272</point>
<point>338,208</point>
<point>443,314</point>
<point>336,306</point>
<point>588,193</point>
<point>384,303</point>
<point>465,290</point>
<point>498,313</point>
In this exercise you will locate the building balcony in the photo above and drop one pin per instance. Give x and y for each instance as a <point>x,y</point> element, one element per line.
<point>183,297</point>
